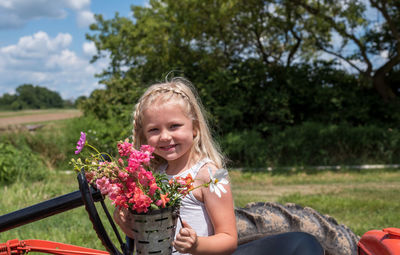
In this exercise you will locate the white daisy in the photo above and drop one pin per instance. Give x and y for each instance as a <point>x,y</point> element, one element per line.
<point>219,178</point>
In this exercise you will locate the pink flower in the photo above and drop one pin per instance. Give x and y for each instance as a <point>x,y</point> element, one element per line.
<point>127,181</point>
<point>123,175</point>
<point>115,191</point>
<point>89,176</point>
<point>163,201</point>
<point>121,201</point>
<point>134,161</point>
<point>130,183</point>
<point>104,185</point>
<point>181,182</point>
<point>186,184</point>
<point>133,166</point>
<point>153,188</point>
<point>81,143</point>
<point>140,157</point>
<point>145,177</point>
<point>147,149</point>
<point>140,201</point>
<point>124,148</point>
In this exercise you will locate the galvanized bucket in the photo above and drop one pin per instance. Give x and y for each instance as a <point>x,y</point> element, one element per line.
<point>154,231</point>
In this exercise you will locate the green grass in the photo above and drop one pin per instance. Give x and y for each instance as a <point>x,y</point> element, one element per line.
<point>362,200</point>
<point>72,227</point>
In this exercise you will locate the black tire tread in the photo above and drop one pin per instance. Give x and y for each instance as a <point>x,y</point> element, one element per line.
<point>259,219</point>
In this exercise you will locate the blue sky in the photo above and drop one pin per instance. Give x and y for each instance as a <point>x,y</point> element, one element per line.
<point>42,42</point>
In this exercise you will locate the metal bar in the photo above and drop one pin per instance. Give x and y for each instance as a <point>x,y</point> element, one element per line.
<point>44,209</point>
<point>111,222</point>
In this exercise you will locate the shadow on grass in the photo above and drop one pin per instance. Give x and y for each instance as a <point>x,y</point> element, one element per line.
<point>289,171</point>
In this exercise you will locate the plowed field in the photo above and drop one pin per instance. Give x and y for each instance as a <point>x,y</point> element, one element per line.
<point>35,116</point>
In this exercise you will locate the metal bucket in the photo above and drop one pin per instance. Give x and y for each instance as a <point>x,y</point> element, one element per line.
<point>154,231</point>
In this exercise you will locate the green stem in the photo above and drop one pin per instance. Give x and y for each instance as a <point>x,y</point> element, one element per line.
<point>172,202</point>
<point>99,153</point>
<point>203,185</point>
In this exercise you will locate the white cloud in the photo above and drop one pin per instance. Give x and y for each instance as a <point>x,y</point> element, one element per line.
<point>33,51</point>
<point>89,49</point>
<point>85,18</point>
<point>47,61</point>
<point>77,4</point>
<point>66,60</point>
<point>6,3</point>
<point>16,13</point>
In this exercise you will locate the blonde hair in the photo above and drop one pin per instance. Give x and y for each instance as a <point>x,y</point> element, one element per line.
<point>181,91</point>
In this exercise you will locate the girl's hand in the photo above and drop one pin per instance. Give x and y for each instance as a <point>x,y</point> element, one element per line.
<point>123,218</point>
<point>186,240</point>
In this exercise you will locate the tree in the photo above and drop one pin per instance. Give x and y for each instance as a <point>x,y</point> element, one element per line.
<point>362,39</point>
<point>79,102</point>
<point>36,97</point>
<point>203,40</point>
<point>249,60</point>
<point>6,100</point>
<point>28,96</point>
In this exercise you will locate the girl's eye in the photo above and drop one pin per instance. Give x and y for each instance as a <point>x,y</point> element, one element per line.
<point>174,126</point>
<point>152,130</point>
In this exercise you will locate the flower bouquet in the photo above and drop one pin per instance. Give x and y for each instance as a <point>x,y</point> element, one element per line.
<point>151,197</point>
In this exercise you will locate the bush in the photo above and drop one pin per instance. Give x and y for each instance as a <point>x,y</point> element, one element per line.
<point>19,163</point>
<point>310,143</point>
<point>103,134</point>
<point>314,144</point>
<point>319,144</point>
<point>245,149</point>
<point>57,144</point>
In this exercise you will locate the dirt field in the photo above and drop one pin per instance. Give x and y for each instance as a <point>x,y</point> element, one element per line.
<point>29,117</point>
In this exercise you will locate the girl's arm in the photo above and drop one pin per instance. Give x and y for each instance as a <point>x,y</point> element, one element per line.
<point>123,219</point>
<point>221,212</point>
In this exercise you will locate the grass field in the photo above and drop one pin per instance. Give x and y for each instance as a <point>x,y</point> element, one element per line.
<point>362,200</point>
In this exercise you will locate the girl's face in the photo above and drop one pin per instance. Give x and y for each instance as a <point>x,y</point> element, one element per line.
<point>168,129</point>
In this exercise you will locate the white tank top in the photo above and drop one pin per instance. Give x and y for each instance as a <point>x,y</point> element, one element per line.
<point>192,210</point>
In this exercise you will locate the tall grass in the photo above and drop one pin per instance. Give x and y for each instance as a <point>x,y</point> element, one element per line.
<point>55,142</point>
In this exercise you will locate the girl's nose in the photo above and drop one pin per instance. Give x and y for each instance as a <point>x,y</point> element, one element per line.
<point>165,136</point>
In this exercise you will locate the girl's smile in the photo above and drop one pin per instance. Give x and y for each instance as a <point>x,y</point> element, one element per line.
<point>168,148</point>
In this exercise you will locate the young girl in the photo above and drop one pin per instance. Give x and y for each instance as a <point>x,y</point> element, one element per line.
<point>169,117</point>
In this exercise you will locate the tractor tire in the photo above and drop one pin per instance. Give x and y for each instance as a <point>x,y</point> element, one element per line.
<point>260,219</point>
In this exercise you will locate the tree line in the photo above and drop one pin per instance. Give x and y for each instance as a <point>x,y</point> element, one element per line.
<point>28,96</point>
<point>264,69</point>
